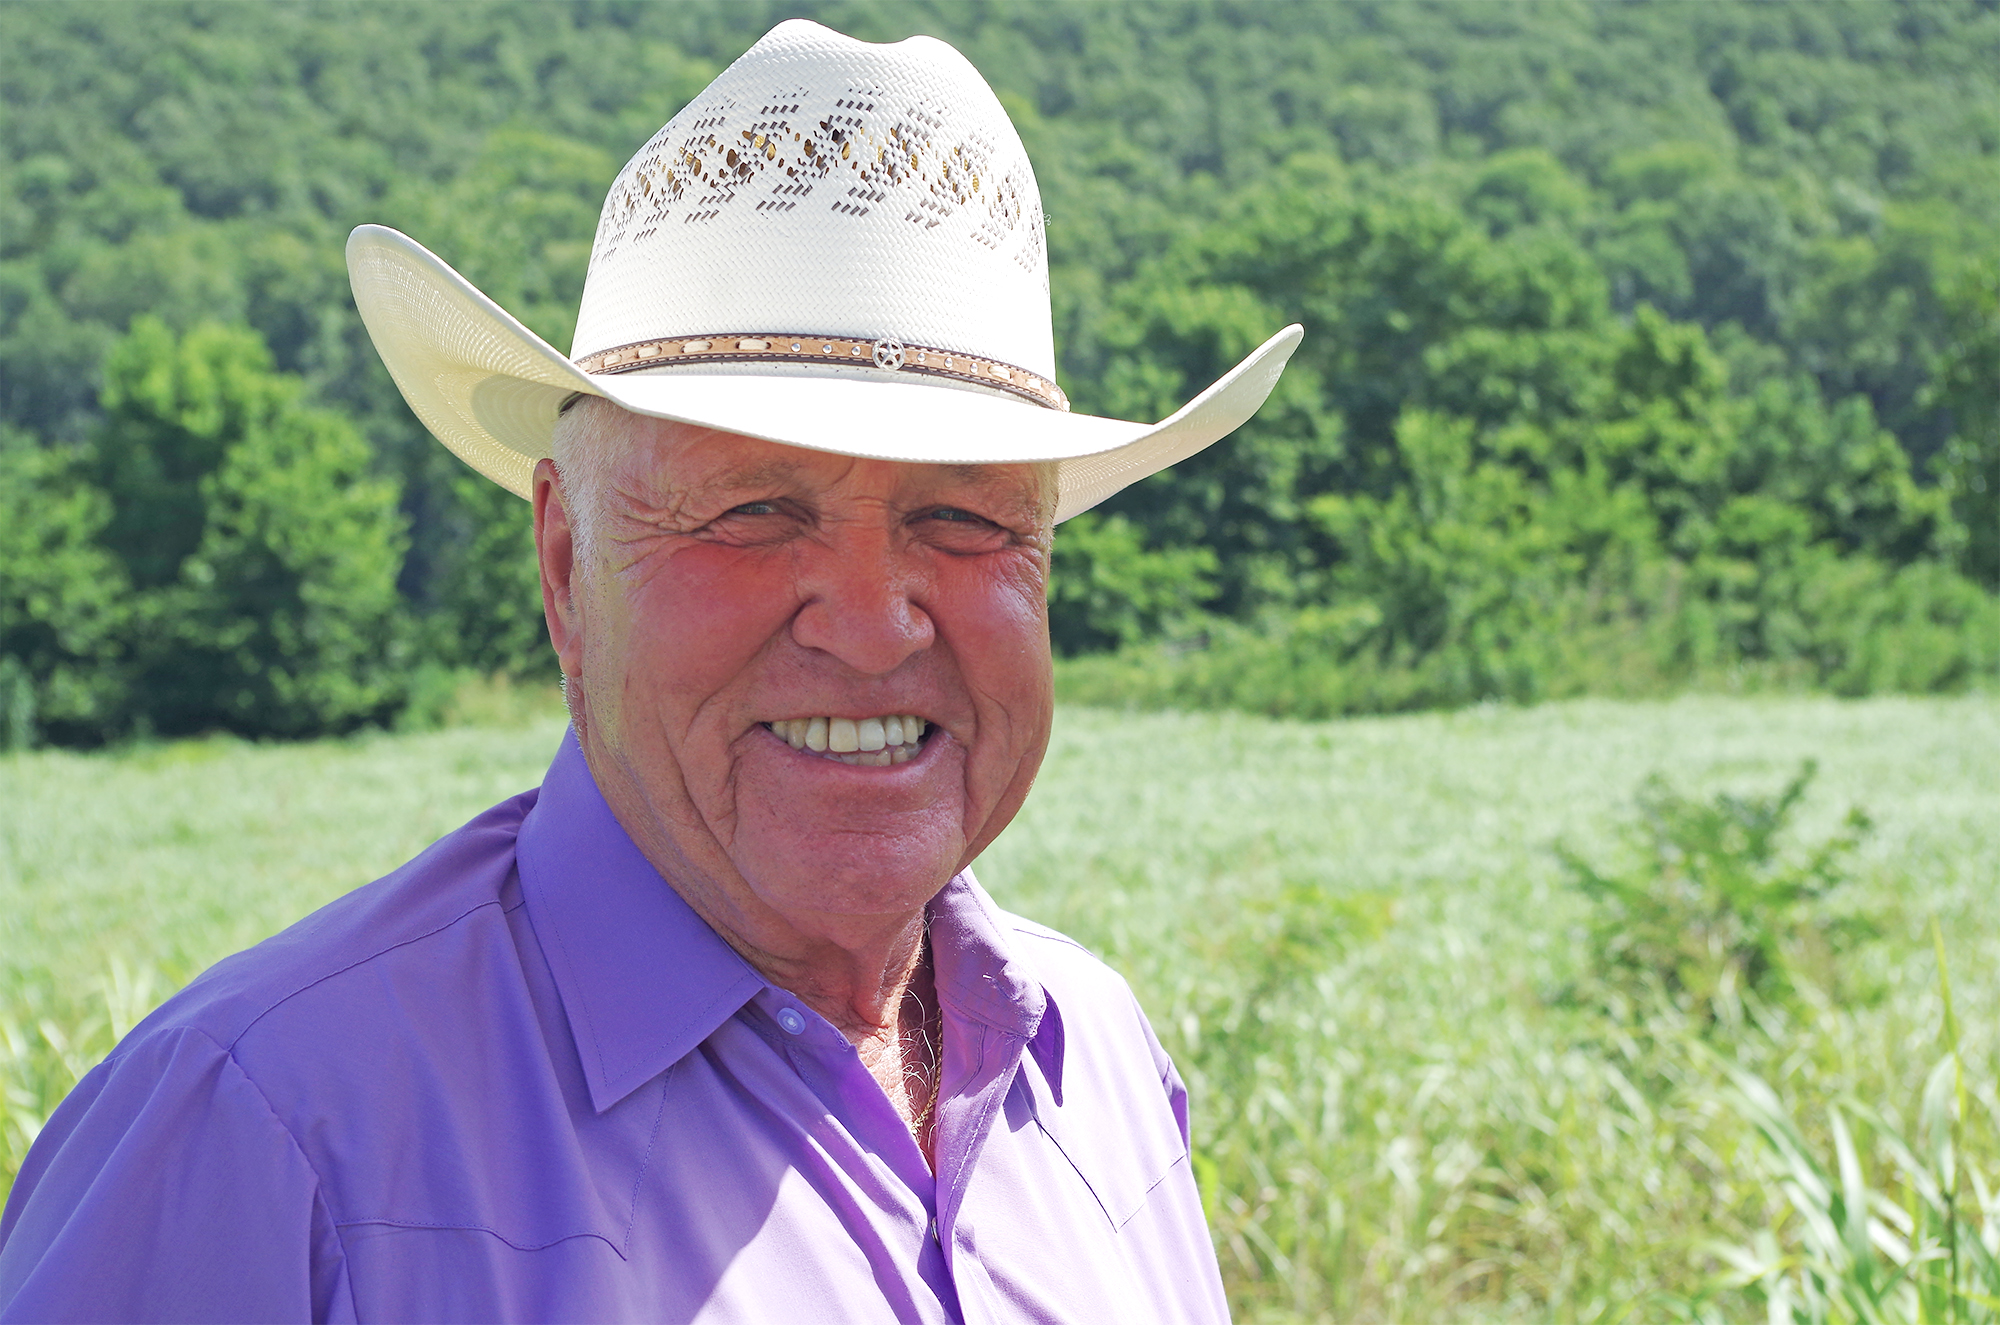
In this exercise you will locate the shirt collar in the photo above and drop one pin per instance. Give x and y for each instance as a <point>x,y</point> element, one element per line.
<point>978,975</point>
<point>972,967</point>
<point>643,979</point>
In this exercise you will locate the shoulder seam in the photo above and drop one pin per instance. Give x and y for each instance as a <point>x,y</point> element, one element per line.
<point>280,1001</point>
<point>278,1121</point>
<point>1035,931</point>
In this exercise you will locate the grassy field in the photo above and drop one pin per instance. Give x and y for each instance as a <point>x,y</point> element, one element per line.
<point>1414,1101</point>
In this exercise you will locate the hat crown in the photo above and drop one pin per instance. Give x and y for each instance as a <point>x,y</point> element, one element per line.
<point>829,187</point>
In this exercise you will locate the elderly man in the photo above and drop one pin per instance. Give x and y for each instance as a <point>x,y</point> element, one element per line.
<point>716,1024</point>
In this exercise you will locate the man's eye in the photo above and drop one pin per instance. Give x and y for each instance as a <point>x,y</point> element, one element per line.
<point>754,508</point>
<point>955,515</point>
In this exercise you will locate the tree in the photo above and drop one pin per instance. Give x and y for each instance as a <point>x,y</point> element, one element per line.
<point>261,550</point>
<point>1968,384</point>
<point>516,222</point>
<point>63,600</point>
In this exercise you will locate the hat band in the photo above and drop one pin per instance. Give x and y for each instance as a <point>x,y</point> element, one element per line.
<point>889,356</point>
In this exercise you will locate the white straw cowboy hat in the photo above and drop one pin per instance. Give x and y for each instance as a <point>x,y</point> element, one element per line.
<point>837,246</point>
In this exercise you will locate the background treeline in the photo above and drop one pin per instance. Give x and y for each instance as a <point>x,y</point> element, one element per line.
<point>1648,344</point>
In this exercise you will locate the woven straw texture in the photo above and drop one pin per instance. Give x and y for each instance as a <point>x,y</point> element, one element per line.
<point>827,186</point>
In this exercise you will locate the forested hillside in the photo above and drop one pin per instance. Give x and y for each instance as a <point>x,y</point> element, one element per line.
<point>1647,344</point>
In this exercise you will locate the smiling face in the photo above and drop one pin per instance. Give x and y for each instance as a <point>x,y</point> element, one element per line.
<point>739,611</point>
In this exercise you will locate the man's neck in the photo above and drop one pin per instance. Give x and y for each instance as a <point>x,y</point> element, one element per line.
<point>860,986</point>
<point>853,969</point>
<point>881,995</point>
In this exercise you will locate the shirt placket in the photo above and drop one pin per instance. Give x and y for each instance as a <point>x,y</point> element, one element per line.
<point>832,1068</point>
<point>980,1066</point>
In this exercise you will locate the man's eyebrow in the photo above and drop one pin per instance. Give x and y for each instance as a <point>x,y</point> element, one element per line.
<point>756,475</point>
<point>989,476</point>
<point>1002,481</point>
<point>766,473</point>
<point>777,470</point>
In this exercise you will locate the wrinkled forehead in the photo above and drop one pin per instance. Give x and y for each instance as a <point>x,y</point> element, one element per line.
<point>657,457</point>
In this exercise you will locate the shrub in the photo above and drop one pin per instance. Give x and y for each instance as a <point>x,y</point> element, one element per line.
<point>486,616</point>
<point>1710,908</point>
<point>63,600</point>
<point>286,618</point>
<point>221,557</point>
<point>1968,384</point>
<point>1108,589</point>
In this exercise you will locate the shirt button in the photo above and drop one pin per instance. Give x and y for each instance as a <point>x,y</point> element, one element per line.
<point>792,1020</point>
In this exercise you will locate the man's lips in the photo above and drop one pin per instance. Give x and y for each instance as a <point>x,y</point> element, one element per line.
<point>893,738</point>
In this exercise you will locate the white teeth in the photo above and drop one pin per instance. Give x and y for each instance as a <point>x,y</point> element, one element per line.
<point>863,742</point>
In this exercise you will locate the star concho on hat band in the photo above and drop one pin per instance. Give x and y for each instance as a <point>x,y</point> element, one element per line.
<point>888,354</point>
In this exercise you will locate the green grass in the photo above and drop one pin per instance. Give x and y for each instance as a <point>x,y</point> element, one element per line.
<point>1354,936</point>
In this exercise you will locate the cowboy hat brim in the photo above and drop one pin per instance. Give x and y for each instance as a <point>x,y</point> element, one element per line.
<point>490,390</point>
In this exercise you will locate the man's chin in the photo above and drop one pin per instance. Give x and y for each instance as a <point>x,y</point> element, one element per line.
<point>864,863</point>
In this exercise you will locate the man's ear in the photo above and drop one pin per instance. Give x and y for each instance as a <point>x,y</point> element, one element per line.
<point>556,553</point>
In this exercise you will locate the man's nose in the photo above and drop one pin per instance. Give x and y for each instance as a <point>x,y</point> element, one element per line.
<point>863,604</point>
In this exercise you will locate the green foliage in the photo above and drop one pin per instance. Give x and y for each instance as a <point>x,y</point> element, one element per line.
<point>1862,1256</point>
<point>1968,385</point>
<point>1107,589</point>
<point>221,556</point>
<point>1344,933</point>
<point>1292,669</point>
<point>1852,626</point>
<point>1675,314</point>
<point>486,612</point>
<point>262,551</point>
<point>1712,909</point>
<point>1644,526</point>
<point>64,600</point>
<point>288,623</point>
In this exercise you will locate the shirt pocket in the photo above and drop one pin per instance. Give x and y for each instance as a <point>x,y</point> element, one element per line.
<point>1123,1143</point>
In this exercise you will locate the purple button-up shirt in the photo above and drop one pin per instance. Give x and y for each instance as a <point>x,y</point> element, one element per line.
<point>519,1079</point>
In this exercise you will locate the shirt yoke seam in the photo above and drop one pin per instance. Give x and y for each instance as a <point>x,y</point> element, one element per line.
<point>278,1121</point>
<point>445,1225</point>
<point>279,1002</point>
<point>646,1163</point>
<point>319,1181</point>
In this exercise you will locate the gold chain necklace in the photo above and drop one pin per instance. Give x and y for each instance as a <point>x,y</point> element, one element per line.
<point>921,1069</point>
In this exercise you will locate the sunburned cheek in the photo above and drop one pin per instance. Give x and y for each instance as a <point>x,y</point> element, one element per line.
<point>998,596</point>
<point>999,638</point>
<point>716,606</point>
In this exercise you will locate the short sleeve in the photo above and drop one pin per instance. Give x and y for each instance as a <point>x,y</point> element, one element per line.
<point>1170,1078</point>
<point>165,1189</point>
